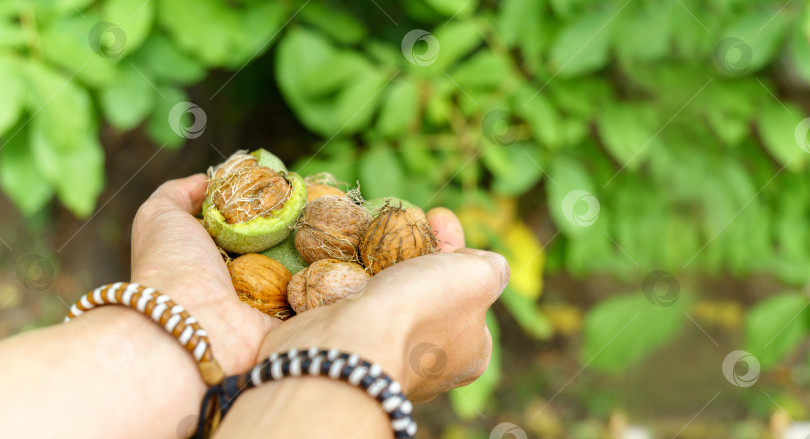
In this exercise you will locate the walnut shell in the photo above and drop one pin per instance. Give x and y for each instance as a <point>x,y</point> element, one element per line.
<point>261,282</point>
<point>248,191</point>
<point>395,235</point>
<point>318,190</point>
<point>325,282</point>
<point>238,160</point>
<point>331,227</point>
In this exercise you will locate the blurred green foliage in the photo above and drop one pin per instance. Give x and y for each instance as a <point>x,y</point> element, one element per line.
<point>682,120</point>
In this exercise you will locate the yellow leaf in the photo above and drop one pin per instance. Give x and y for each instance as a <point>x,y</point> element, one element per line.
<point>526,258</point>
<point>480,221</point>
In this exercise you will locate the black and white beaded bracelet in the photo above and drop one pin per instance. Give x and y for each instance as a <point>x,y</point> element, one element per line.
<point>314,361</point>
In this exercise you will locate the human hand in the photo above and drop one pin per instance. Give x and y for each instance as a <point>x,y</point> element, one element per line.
<point>439,301</point>
<point>173,253</point>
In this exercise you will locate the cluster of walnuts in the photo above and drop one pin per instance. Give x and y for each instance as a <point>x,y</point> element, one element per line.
<point>337,243</point>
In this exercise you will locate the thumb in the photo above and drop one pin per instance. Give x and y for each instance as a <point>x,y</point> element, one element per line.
<point>185,193</point>
<point>465,280</point>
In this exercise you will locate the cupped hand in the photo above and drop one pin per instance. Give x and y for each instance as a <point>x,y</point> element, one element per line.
<point>173,253</point>
<point>422,320</point>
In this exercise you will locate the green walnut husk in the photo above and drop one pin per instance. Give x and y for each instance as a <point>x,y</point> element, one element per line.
<point>269,160</point>
<point>374,205</point>
<point>286,253</point>
<point>261,232</point>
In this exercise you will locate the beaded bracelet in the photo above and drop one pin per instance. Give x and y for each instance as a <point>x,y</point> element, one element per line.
<point>162,310</point>
<point>315,362</point>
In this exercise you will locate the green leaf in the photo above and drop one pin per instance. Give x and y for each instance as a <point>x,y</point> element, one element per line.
<point>135,18</point>
<point>571,198</point>
<point>799,46</point>
<point>484,71</point>
<point>82,177</point>
<point>519,23</point>
<point>400,108</point>
<point>76,173</point>
<point>310,72</point>
<point>582,45</point>
<point>644,32</point>
<point>381,174</point>
<point>627,129</point>
<point>12,35</point>
<point>20,178</point>
<point>454,8</point>
<point>338,157</point>
<point>127,102</point>
<point>761,32</point>
<point>53,98</point>
<point>527,314</point>
<point>541,116</point>
<point>342,27</point>
<point>203,27</point>
<point>777,127</point>
<point>356,104</point>
<point>12,93</point>
<point>522,171</point>
<point>775,326</point>
<point>456,39</point>
<point>159,127</point>
<point>417,157</point>
<point>468,400</point>
<point>260,25</point>
<point>622,330</point>
<point>728,111</point>
<point>160,59</point>
<point>66,44</point>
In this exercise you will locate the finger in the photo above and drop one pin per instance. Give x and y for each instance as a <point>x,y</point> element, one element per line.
<point>461,281</point>
<point>447,228</point>
<point>185,193</point>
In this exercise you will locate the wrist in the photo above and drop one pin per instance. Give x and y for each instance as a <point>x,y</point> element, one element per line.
<point>234,329</point>
<point>348,329</point>
<point>138,365</point>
